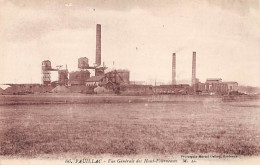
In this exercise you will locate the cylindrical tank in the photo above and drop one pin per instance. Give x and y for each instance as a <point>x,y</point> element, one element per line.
<point>79,77</point>
<point>124,76</point>
<point>83,63</point>
<point>46,65</point>
<point>119,76</point>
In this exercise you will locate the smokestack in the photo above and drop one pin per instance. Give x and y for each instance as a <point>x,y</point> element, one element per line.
<point>193,81</point>
<point>98,45</point>
<point>173,69</point>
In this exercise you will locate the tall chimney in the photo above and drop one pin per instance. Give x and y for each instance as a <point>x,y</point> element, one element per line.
<point>173,69</point>
<point>193,81</point>
<point>98,45</point>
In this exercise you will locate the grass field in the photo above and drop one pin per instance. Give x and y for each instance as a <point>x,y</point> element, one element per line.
<point>130,129</point>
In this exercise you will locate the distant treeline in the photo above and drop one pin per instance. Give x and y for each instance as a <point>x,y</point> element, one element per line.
<point>249,89</point>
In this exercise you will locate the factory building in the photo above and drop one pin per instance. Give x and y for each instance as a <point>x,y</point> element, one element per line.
<point>213,80</point>
<point>110,80</point>
<point>96,81</point>
<point>172,89</point>
<point>119,80</point>
<point>119,76</point>
<point>215,86</point>
<point>46,75</point>
<point>232,86</point>
<point>79,77</point>
<point>83,63</point>
<point>63,77</point>
<point>138,90</point>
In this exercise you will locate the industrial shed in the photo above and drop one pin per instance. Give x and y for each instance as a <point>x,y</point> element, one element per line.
<point>96,81</point>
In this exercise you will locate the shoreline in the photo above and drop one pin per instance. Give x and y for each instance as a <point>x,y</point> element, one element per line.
<point>76,98</point>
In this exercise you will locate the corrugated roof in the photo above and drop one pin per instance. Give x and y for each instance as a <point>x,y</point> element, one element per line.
<point>95,78</point>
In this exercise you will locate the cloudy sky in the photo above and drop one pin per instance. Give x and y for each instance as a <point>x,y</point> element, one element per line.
<point>137,35</point>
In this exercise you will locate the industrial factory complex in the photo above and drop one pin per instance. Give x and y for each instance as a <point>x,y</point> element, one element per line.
<point>115,81</point>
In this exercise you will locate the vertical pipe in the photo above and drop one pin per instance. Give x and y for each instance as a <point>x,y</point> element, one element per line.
<point>194,69</point>
<point>173,69</point>
<point>98,45</point>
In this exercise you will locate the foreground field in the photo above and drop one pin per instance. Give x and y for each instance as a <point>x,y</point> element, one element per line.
<point>130,129</point>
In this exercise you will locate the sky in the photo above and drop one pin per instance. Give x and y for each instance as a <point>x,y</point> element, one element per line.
<point>136,35</point>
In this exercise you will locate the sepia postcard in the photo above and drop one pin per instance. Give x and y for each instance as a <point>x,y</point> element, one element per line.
<point>126,82</point>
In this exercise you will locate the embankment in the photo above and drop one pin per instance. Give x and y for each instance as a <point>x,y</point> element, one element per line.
<point>85,99</point>
<point>55,98</point>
